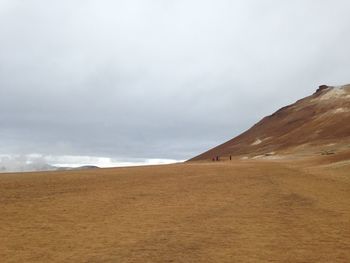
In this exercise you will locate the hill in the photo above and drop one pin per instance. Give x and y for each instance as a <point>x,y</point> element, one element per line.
<point>315,125</point>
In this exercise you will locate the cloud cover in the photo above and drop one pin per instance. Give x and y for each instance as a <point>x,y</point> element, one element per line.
<point>158,79</point>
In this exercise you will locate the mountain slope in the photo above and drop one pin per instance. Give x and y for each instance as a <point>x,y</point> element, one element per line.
<point>318,124</point>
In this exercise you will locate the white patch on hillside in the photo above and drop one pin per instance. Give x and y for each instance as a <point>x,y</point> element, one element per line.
<point>257,142</point>
<point>340,110</point>
<point>336,92</point>
<point>268,156</point>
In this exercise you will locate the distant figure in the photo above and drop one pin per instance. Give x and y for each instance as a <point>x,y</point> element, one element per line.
<point>217,158</point>
<point>230,157</point>
<point>213,159</point>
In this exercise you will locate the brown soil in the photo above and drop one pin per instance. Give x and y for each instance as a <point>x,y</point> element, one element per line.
<point>239,211</point>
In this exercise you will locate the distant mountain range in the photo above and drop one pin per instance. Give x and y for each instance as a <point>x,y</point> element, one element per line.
<point>43,167</point>
<point>84,167</point>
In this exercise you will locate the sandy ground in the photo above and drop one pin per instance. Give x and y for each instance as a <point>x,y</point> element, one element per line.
<point>240,211</point>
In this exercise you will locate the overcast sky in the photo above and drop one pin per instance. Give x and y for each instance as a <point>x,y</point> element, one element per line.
<point>136,80</point>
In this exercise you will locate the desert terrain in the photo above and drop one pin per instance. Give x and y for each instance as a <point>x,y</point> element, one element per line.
<point>229,211</point>
<point>279,192</point>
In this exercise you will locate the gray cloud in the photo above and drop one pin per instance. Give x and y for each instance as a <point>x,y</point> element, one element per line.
<point>158,79</point>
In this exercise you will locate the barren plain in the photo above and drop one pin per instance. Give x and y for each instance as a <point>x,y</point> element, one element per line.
<point>238,211</point>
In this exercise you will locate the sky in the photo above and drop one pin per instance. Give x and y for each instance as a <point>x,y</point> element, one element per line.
<point>148,81</point>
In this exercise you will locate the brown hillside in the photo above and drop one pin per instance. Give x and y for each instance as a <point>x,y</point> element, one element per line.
<point>318,124</point>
